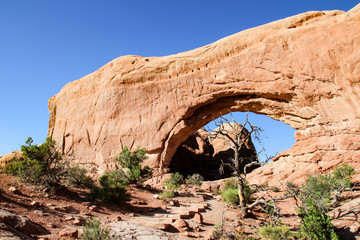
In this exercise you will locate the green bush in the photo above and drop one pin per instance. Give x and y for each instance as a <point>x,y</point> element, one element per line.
<point>131,161</point>
<point>275,232</point>
<point>76,176</point>
<point>94,231</point>
<point>316,195</point>
<point>195,179</point>
<point>318,189</point>
<point>341,176</point>
<point>229,188</point>
<point>231,196</point>
<point>316,224</point>
<point>41,165</point>
<point>229,183</point>
<point>168,194</point>
<point>112,187</point>
<point>176,179</point>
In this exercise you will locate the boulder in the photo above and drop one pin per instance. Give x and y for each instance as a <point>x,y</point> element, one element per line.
<point>14,156</point>
<point>20,226</point>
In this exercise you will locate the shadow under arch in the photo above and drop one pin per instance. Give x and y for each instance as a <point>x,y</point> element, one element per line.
<point>199,155</point>
<point>275,107</point>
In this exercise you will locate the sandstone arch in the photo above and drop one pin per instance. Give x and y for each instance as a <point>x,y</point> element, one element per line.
<point>303,70</point>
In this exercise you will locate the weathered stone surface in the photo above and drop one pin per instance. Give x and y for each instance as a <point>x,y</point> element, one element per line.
<point>14,156</point>
<point>303,70</point>
<point>19,225</point>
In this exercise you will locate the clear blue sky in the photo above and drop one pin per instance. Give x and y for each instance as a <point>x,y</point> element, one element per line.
<point>46,44</point>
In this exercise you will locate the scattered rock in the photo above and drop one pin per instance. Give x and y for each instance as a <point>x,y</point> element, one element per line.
<point>69,232</point>
<point>156,196</point>
<point>65,209</point>
<point>117,218</point>
<point>51,225</point>
<point>14,190</point>
<point>69,218</point>
<point>35,204</point>
<point>174,202</point>
<point>79,221</point>
<point>181,225</point>
<point>93,208</point>
<point>198,218</point>
<point>87,203</point>
<point>15,223</point>
<point>142,202</point>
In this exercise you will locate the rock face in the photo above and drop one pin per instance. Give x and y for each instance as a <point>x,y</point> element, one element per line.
<point>303,70</point>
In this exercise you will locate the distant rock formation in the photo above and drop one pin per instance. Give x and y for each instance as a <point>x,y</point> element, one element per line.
<point>303,70</point>
<point>199,155</point>
<point>14,156</point>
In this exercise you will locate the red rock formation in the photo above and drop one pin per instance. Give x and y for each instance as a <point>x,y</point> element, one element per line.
<point>303,70</point>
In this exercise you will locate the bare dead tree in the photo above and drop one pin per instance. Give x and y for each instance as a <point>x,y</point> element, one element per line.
<point>238,138</point>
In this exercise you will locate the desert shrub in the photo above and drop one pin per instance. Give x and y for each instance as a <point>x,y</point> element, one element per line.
<point>93,230</point>
<point>131,161</point>
<point>112,187</point>
<point>230,187</point>
<point>41,165</point>
<point>231,196</point>
<point>316,224</point>
<point>176,179</point>
<point>216,191</point>
<point>168,194</point>
<point>229,183</point>
<point>275,232</point>
<point>316,195</point>
<point>195,179</point>
<point>76,176</point>
<point>317,191</point>
<point>341,176</point>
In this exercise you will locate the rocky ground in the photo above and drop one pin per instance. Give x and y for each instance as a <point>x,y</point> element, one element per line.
<point>26,213</point>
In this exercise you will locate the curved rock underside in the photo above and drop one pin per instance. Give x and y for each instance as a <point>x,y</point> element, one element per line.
<point>303,70</point>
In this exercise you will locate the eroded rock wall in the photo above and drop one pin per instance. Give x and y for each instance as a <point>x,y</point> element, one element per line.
<point>303,70</point>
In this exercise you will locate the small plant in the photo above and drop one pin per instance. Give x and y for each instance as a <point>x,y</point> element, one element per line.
<point>94,231</point>
<point>341,177</point>
<point>231,196</point>
<point>229,183</point>
<point>76,176</point>
<point>275,232</point>
<point>112,187</point>
<point>216,191</point>
<point>230,189</point>
<point>195,179</point>
<point>166,195</point>
<point>131,161</point>
<point>176,179</point>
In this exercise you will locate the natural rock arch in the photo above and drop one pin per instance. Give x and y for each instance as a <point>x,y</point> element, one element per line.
<point>303,70</point>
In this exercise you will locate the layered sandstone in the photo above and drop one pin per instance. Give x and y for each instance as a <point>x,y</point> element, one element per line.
<point>303,70</point>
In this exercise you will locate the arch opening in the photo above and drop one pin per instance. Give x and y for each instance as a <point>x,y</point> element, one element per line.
<point>200,155</point>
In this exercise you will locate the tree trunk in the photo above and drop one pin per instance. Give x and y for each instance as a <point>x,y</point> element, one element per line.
<point>242,203</point>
